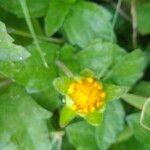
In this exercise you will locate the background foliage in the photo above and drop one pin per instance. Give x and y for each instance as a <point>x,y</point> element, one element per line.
<point>65,37</point>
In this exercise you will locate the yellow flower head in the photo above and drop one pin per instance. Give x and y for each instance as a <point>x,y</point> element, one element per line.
<point>87,95</point>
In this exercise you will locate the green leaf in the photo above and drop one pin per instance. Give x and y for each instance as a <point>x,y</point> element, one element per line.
<point>143,15</point>
<point>128,70</point>
<point>95,21</point>
<point>62,84</point>
<point>23,122</point>
<point>66,116</point>
<point>142,88</point>
<point>33,75</point>
<point>114,92</point>
<point>94,118</point>
<point>82,136</point>
<point>37,8</point>
<point>56,14</point>
<point>97,57</point>
<point>8,50</point>
<point>67,56</point>
<point>87,73</point>
<point>140,133</point>
<point>113,124</point>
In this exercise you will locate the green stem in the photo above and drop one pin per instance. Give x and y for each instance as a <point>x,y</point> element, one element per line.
<point>28,20</point>
<point>116,13</point>
<point>64,68</point>
<point>28,35</point>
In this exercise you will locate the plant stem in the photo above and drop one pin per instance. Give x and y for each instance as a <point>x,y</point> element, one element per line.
<point>28,20</point>
<point>134,23</point>
<point>62,66</point>
<point>28,35</point>
<point>143,114</point>
<point>116,13</point>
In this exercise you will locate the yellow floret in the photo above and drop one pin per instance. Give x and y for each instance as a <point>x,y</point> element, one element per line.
<point>87,95</point>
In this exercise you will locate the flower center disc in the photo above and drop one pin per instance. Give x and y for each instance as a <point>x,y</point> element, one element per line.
<point>87,95</point>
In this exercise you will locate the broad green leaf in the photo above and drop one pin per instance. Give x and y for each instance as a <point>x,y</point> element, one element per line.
<point>82,136</point>
<point>97,57</point>
<point>113,124</point>
<point>56,14</point>
<point>140,133</point>
<point>22,122</point>
<point>33,75</point>
<point>130,144</point>
<point>142,88</point>
<point>94,118</point>
<point>37,8</point>
<point>143,15</point>
<point>128,70</point>
<point>8,50</point>
<point>87,21</point>
<point>66,116</point>
<point>114,92</point>
<point>62,84</point>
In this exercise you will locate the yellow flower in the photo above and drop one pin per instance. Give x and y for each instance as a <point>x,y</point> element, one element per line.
<point>87,95</point>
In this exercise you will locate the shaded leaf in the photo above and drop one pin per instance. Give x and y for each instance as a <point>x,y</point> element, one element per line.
<point>37,8</point>
<point>142,88</point>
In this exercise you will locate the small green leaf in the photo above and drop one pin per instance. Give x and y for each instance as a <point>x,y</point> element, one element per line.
<point>56,14</point>
<point>87,73</point>
<point>129,69</point>
<point>66,116</point>
<point>61,84</point>
<point>94,118</point>
<point>114,92</point>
